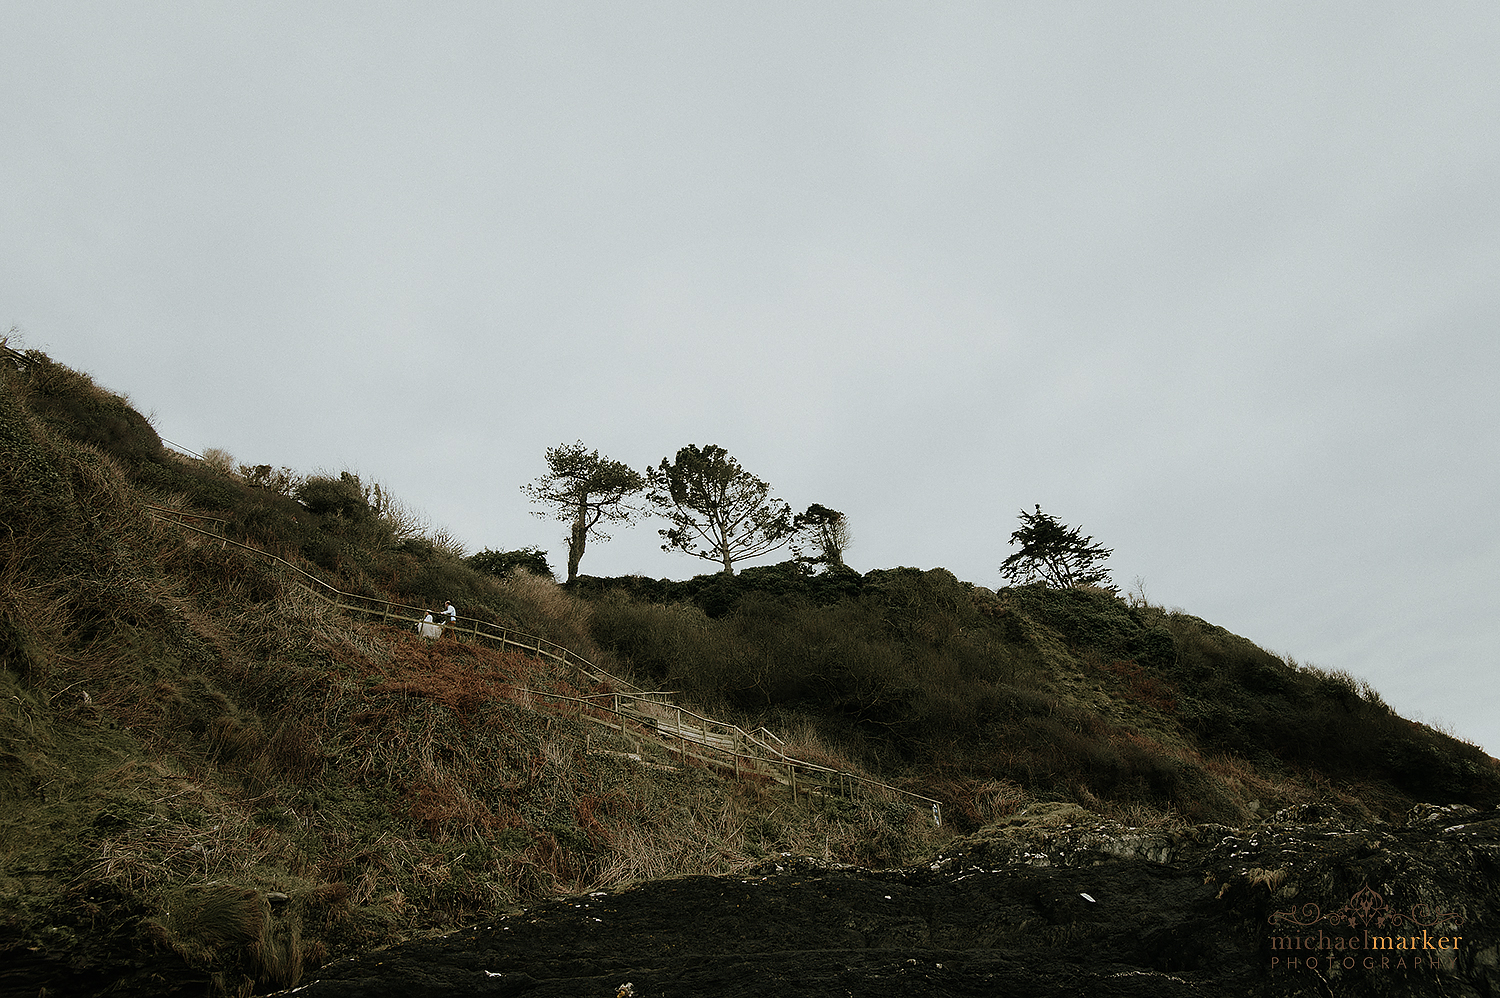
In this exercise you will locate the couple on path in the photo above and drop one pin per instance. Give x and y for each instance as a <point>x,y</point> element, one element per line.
<point>431,626</point>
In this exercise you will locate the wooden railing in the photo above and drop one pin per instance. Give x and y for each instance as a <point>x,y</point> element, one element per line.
<point>730,746</point>
<point>386,610</point>
<point>17,359</point>
<point>734,748</point>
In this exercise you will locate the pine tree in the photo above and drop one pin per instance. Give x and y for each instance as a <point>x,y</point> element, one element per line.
<point>1055,554</point>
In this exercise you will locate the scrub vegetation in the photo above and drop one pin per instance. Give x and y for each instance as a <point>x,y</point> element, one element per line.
<point>202,766</point>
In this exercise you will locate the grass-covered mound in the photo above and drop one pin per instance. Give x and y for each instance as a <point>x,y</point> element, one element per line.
<point>1032,691</point>
<point>207,774</point>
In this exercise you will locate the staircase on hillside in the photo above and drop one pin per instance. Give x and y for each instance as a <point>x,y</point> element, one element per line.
<point>619,704</point>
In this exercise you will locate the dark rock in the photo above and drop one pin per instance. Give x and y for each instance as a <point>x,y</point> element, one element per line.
<point>1046,907</point>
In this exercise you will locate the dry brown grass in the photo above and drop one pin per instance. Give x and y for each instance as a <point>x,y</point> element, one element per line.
<point>275,747</point>
<point>563,618</point>
<point>180,830</point>
<point>1269,879</point>
<point>802,739</point>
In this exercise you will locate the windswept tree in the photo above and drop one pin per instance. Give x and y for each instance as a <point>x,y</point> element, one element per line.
<point>826,531</point>
<point>719,511</point>
<point>1055,554</point>
<point>585,489</point>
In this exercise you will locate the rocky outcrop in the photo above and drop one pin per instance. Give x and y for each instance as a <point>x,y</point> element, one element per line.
<point>1052,902</point>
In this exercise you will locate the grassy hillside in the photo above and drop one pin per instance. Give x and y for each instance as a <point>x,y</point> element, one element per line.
<point>1029,692</point>
<point>202,767</point>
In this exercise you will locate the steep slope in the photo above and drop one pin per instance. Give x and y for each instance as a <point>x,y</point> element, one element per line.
<point>206,777</point>
<point>209,779</point>
<point>997,698</point>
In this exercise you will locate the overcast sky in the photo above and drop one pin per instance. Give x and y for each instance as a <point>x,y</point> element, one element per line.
<point>1217,283</point>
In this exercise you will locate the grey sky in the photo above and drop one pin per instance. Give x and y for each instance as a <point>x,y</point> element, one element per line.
<point>1218,285</point>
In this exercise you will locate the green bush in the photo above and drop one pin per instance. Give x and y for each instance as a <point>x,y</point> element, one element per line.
<point>928,609</point>
<point>905,656</point>
<point>718,594</point>
<point>31,488</point>
<point>502,563</point>
<point>73,404</point>
<point>1093,618</point>
<point>282,481</point>
<point>340,498</point>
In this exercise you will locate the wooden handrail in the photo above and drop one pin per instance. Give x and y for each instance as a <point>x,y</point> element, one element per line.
<point>782,759</point>
<point>389,609</point>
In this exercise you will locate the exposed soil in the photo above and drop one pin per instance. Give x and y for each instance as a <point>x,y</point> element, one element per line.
<point>1044,907</point>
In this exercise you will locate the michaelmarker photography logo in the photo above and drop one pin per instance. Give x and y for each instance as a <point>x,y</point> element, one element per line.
<point>1365,934</point>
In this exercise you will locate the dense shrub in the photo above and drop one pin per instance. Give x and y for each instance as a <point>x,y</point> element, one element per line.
<point>931,668</point>
<point>283,481</point>
<point>1094,618</point>
<point>1238,697</point>
<point>719,594</point>
<point>502,563</point>
<point>342,497</point>
<point>73,404</point>
<point>902,656</point>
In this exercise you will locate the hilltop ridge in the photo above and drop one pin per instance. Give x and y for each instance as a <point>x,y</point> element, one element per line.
<point>208,779</point>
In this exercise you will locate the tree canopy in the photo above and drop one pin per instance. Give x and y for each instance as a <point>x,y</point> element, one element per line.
<point>719,511</point>
<point>827,531</point>
<point>585,489</point>
<point>1055,554</point>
